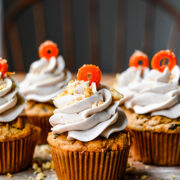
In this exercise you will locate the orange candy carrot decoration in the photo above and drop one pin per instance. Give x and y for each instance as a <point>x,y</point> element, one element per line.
<point>3,67</point>
<point>138,57</point>
<point>90,73</point>
<point>160,57</point>
<point>48,49</point>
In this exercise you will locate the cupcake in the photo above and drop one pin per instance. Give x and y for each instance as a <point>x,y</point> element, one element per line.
<point>47,78</point>
<point>138,69</point>
<point>88,140</point>
<point>17,136</point>
<point>153,112</point>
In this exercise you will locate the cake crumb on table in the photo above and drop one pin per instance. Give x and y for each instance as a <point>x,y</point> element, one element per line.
<point>131,170</point>
<point>144,177</point>
<point>46,165</point>
<point>30,178</point>
<point>40,176</point>
<point>172,177</point>
<point>9,175</point>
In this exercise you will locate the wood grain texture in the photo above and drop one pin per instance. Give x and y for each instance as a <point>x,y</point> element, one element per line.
<point>94,37</point>
<point>147,44</point>
<point>120,36</point>
<point>173,38</point>
<point>16,49</point>
<point>39,22</point>
<point>67,33</point>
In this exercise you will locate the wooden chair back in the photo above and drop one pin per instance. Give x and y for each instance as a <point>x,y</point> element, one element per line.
<point>13,42</point>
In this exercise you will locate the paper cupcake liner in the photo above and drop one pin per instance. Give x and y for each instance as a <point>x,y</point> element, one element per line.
<point>43,123</point>
<point>17,155</point>
<point>71,165</point>
<point>156,148</point>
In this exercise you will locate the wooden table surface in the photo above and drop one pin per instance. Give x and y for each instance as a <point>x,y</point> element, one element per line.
<point>137,170</point>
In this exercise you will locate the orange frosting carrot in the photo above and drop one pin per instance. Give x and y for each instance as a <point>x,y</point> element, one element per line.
<point>138,57</point>
<point>90,73</point>
<point>160,57</point>
<point>3,67</point>
<point>48,49</point>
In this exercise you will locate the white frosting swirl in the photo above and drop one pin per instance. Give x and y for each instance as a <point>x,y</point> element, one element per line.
<point>128,79</point>
<point>85,118</point>
<point>12,102</point>
<point>157,93</point>
<point>45,80</point>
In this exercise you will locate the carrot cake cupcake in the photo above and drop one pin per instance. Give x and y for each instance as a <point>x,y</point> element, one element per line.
<point>138,69</point>
<point>88,140</point>
<point>17,136</point>
<point>47,78</point>
<point>154,112</point>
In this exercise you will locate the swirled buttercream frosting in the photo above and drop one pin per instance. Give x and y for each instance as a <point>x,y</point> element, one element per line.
<point>46,79</point>
<point>158,93</point>
<point>86,112</point>
<point>12,103</point>
<point>129,78</point>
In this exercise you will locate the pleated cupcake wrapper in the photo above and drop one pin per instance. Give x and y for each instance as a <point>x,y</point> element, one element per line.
<point>43,123</point>
<point>17,155</point>
<point>70,165</point>
<point>156,148</point>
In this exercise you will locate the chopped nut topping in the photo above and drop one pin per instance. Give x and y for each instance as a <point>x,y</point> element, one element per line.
<point>70,90</point>
<point>116,95</point>
<point>2,86</point>
<point>96,104</point>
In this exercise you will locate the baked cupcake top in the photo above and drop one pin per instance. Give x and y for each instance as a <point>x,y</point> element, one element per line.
<point>12,103</point>
<point>47,76</point>
<point>158,92</point>
<point>87,109</point>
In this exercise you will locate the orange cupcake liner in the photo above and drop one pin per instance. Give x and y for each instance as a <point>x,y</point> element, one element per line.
<point>43,123</point>
<point>156,148</point>
<point>17,155</point>
<point>73,165</point>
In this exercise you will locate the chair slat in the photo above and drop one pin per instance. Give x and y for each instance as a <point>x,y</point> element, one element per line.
<point>147,44</point>
<point>67,33</point>
<point>16,49</point>
<point>94,37</point>
<point>120,36</point>
<point>170,9</point>
<point>173,40</point>
<point>39,22</point>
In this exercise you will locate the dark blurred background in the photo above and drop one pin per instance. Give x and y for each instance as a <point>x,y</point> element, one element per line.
<point>102,32</point>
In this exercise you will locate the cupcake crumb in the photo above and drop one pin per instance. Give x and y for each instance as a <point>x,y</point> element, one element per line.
<point>9,175</point>
<point>172,177</point>
<point>52,165</point>
<point>35,166</point>
<point>30,178</point>
<point>38,170</point>
<point>144,177</point>
<point>42,151</point>
<point>131,170</point>
<point>115,94</point>
<point>46,165</point>
<point>40,176</point>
